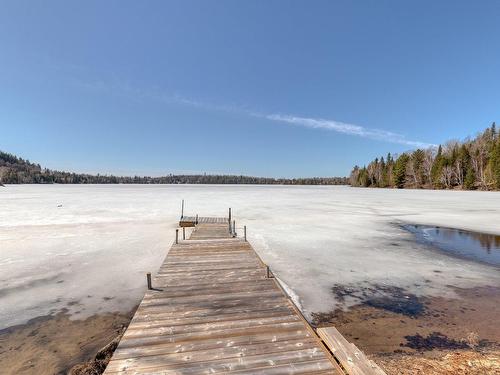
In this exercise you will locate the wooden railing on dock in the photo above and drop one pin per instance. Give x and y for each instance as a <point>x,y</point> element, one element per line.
<point>213,308</point>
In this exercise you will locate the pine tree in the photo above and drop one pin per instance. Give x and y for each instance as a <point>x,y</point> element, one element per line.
<point>437,168</point>
<point>462,164</point>
<point>470,179</point>
<point>399,172</point>
<point>389,167</point>
<point>416,167</point>
<point>384,181</point>
<point>364,180</point>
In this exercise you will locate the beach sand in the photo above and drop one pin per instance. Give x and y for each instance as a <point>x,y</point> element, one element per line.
<point>54,344</point>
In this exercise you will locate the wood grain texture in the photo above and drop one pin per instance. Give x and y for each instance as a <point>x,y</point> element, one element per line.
<point>350,357</point>
<point>214,311</point>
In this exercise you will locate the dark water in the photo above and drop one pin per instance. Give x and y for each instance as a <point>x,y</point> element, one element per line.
<point>472,245</point>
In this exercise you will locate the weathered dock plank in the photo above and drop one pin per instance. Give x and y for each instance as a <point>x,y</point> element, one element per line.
<point>190,221</point>
<point>353,360</point>
<point>213,310</point>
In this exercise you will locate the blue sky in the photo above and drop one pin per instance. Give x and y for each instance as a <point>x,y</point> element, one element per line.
<point>268,88</point>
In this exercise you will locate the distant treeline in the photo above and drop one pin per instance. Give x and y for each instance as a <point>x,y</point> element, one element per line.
<point>471,164</point>
<point>15,170</point>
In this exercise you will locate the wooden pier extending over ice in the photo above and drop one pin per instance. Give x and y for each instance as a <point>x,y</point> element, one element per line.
<point>215,308</point>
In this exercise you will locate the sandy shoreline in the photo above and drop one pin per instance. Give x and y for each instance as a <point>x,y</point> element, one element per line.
<point>53,344</point>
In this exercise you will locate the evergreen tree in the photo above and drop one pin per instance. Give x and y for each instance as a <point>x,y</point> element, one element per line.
<point>384,180</point>
<point>389,166</point>
<point>375,178</point>
<point>470,179</point>
<point>462,164</point>
<point>437,168</point>
<point>364,179</point>
<point>399,173</point>
<point>417,162</point>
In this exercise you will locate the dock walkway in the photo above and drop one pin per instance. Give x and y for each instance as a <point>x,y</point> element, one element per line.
<point>213,309</point>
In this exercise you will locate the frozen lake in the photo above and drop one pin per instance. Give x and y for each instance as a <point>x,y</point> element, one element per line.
<point>87,248</point>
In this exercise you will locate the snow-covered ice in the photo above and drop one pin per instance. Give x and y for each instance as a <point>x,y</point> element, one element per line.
<point>87,248</point>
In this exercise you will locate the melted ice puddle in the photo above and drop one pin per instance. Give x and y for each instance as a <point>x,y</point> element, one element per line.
<point>472,245</point>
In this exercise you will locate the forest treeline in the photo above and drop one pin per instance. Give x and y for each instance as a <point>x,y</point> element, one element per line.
<point>15,170</point>
<point>470,164</point>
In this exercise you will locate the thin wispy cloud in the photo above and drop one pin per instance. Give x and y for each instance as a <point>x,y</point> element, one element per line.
<point>313,123</point>
<point>345,128</point>
<point>306,122</point>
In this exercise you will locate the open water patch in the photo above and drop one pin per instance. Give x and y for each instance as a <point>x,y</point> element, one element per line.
<point>481,247</point>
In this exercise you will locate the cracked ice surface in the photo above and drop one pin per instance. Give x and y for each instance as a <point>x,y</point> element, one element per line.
<point>86,248</point>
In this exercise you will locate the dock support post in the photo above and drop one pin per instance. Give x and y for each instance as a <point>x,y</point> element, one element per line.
<point>245,232</point>
<point>177,236</point>
<point>230,215</point>
<point>182,210</point>
<point>234,228</point>
<point>148,278</point>
<point>183,233</point>
<point>269,274</point>
<point>196,219</point>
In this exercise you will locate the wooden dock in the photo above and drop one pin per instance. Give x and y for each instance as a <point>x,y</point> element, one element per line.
<point>214,309</point>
